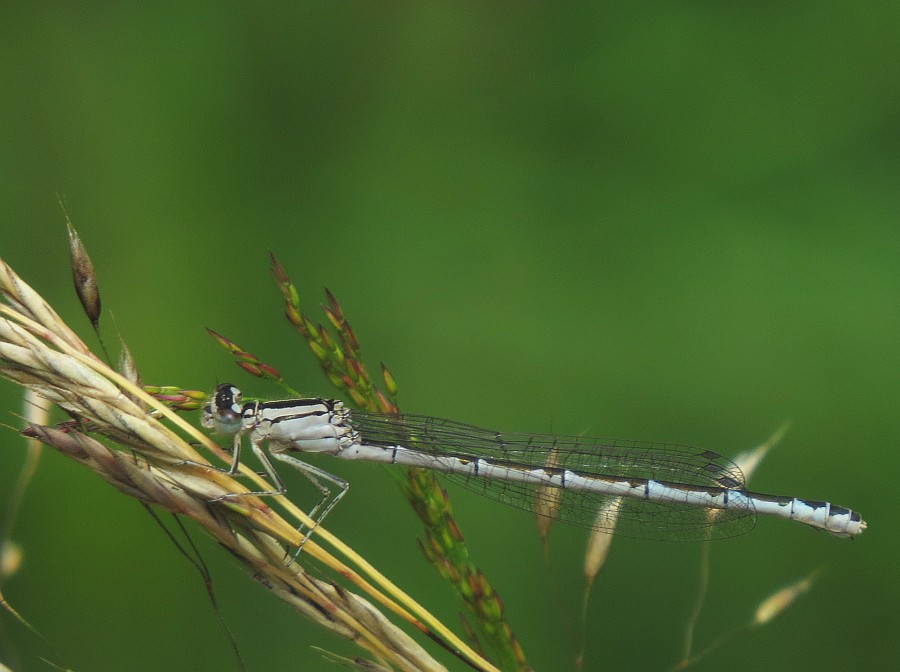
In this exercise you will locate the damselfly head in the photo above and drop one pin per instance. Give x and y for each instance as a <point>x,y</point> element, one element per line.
<point>224,412</point>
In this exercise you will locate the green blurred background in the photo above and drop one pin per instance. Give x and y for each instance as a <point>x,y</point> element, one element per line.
<point>660,222</point>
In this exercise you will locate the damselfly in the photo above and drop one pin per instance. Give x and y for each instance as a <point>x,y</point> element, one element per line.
<point>661,491</point>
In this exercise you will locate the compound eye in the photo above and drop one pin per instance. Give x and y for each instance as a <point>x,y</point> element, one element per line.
<point>227,398</point>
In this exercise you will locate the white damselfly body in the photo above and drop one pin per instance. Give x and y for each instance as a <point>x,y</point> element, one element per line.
<point>661,491</point>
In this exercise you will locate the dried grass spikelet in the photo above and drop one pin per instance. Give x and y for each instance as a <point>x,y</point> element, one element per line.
<point>547,500</point>
<point>782,599</point>
<point>83,276</point>
<point>147,460</point>
<point>601,538</point>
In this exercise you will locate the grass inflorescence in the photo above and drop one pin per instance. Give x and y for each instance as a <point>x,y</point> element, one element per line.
<point>340,357</point>
<point>136,443</point>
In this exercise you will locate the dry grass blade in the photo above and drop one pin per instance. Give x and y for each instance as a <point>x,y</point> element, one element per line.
<point>149,461</point>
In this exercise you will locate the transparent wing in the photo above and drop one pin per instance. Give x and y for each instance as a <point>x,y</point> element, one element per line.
<point>590,457</point>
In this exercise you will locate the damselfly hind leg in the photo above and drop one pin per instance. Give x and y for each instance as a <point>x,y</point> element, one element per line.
<point>326,503</point>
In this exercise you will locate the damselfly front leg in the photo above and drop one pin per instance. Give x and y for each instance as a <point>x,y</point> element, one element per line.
<point>226,415</point>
